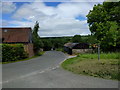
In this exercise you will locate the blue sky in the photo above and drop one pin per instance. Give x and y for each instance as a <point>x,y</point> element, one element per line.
<point>8,16</point>
<point>55,18</point>
<point>53,4</point>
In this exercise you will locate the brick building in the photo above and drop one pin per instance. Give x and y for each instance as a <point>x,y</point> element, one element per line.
<point>17,35</point>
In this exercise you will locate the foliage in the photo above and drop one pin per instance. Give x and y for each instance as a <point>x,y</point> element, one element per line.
<point>87,64</point>
<point>84,39</point>
<point>40,53</point>
<point>13,52</point>
<point>36,38</point>
<point>54,42</point>
<point>77,39</point>
<point>104,23</point>
<point>91,39</point>
<point>60,49</point>
<point>47,45</point>
<point>58,42</point>
<point>21,60</point>
<point>0,52</point>
<point>102,56</point>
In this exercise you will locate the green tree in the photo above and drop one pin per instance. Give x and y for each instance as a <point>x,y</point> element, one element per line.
<point>91,39</point>
<point>36,38</point>
<point>47,45</point>
<point>77,39</point>
<point>104,24</point>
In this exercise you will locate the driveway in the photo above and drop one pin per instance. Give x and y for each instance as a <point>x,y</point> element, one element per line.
<point>45,72</point>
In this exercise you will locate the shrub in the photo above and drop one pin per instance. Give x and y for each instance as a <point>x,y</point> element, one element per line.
<point>40,53</point>
<point>13,52</point>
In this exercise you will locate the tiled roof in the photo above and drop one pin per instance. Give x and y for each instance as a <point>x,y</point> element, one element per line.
<point>14,35</point>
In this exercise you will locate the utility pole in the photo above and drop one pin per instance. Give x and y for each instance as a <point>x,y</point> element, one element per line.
<point>98,52</point>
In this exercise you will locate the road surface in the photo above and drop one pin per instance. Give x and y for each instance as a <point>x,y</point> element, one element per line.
<point>45,72</point>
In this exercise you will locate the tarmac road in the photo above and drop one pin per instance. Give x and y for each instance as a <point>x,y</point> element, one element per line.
<point>45,72</point>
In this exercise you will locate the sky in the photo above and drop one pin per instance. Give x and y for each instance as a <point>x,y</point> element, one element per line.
<point>55,19</point>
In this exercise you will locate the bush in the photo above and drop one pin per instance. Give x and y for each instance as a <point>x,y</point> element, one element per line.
<point>13,52</point>
<point>40,53</point>
<point>60,49</point>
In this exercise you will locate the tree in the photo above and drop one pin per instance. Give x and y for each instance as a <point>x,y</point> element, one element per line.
<point>104,24</point>
<point>36,38</point>
<point>47,45</point>
<point>91,39</point>
<point>77,39</point>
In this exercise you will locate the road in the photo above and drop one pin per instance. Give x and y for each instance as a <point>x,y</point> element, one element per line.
<point>45,72</point>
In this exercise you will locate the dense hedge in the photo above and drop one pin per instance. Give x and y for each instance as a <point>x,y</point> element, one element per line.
<point>13,52</point>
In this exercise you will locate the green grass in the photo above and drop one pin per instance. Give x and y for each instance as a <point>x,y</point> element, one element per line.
<point>39,54</point>
<point>102,56</point>
<point>20,60</point>
<point>60,49</point>
<point>87,64</point>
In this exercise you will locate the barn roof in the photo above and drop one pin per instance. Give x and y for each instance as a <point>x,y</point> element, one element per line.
<point>14,35</point>
<point>70,45</point>
<point>77,45</point>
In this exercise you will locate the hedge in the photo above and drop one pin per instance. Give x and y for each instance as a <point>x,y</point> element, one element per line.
<point>13,52</point>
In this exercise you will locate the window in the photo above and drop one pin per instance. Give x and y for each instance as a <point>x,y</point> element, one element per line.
<point>5,30</point>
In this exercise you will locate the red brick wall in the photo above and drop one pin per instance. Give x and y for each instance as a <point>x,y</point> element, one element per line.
<point>29,49</point>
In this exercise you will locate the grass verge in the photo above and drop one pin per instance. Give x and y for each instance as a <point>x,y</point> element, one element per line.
<point>87,64</point>
<point>39,54</point>
<point>60,49</point>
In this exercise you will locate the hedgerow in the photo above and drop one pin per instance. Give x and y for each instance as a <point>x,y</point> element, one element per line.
<point>13,52</point>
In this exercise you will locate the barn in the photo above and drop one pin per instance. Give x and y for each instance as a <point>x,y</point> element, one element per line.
<point>16,35</point>
<point>75,48</point>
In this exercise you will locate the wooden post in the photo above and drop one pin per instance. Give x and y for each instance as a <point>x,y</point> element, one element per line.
<point>98,52</point>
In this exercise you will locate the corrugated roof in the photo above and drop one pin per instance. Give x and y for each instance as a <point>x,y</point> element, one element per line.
<point>70,45</point>
<point>77,45</point>
<point>14,35</point>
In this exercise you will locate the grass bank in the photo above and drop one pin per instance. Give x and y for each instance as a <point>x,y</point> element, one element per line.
<point>88,64</point>
<point>39,54</point>
<point>60,49</point>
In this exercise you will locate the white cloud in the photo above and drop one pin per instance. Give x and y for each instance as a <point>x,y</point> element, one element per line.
<point>64,10</point>
<point>71,10</point>
<point>4,23</point>
<point>54,21</point>
<point>8,7</point>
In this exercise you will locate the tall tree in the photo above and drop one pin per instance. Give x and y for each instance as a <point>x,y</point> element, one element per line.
<point>36,38</point>
<point>77,39</point>
<point>104,23</point>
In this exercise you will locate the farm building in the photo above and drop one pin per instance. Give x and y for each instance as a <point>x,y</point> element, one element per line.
<point>74,48</point>
<point>17,35</point>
